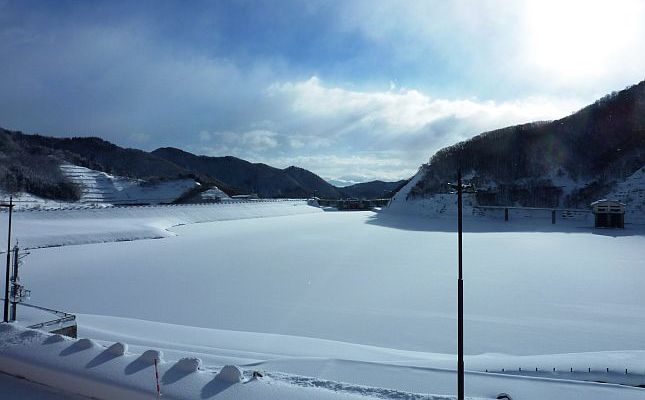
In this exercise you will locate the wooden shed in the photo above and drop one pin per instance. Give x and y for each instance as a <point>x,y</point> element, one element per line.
<point>609,213</point>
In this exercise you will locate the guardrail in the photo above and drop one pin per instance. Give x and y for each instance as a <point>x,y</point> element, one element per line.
<point>63,317</point>
<point>140,203</point>
<point>554,213</point>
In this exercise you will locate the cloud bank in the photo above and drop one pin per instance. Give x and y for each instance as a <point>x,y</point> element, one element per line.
<point>353,91</point>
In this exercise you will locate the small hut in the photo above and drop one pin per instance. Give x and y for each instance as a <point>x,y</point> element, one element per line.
<point>609,213</point>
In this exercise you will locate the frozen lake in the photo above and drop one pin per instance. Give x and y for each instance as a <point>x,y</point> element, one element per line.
<point>365,278</point>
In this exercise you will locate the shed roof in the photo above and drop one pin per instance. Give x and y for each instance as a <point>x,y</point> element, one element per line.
<point>605,202</point>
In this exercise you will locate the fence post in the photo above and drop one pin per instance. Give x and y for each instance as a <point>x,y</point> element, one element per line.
<point>506,214</point>
<point>553,216</point>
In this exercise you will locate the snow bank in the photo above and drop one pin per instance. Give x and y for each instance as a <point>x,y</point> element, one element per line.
<point>40,228</point>
<point>98,373</point>
<point>190,364</point>
<point>230,373</point>
<point>149,356</point>
<point>117,349</point>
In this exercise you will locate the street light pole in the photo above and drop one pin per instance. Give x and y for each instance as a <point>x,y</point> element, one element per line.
<point>460,295</point>
<point>6,287</point>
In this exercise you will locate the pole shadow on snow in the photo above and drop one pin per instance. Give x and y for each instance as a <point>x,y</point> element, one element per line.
<point>447,223</point>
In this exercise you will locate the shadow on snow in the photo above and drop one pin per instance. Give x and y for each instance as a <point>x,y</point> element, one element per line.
<point>448,223</point>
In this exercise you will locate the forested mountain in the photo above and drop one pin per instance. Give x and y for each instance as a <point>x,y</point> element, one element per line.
<point>568,162</point>
<point>313,183</point>
<point>30,163</point>
<point>258,178</point>
<point>32,168</point>
<point>373,189</point>
<point>107,157</point>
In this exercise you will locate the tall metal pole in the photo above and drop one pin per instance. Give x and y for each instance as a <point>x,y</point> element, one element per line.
<point>6,287</point>
<point>14,283</point>
<point>460,300</point>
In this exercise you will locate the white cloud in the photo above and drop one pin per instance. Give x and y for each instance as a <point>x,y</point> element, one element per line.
<point>242,143</point>
<point>406,111</point>
<point>336,132</point>
<point>389,166</point>
<point>140,137</point>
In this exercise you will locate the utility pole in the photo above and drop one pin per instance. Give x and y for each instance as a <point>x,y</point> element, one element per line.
<point>460,284</point>
<point>6,287</point>
<point>460,295</point>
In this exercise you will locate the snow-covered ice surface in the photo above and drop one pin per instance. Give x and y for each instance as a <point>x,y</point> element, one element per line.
<point>526,292</point>
<point>363,298</point>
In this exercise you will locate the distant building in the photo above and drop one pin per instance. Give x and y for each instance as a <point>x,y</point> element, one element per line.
<point>609,213</point>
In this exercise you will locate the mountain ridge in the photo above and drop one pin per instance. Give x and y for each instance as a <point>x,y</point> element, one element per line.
<point>30,163</point>
<point>567,162</point>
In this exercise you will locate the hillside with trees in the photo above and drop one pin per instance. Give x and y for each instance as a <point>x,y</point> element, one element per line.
<point>569,162</point>
<point>373,190</point>
<point>257,178</point>
<point>31,164</point>
<point>34,169</point>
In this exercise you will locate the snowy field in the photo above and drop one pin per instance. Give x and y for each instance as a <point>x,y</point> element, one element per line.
<point>361,278</point>
<point>364,298</point>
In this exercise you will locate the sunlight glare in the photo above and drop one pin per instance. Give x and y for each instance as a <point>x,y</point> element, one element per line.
<point>580,38</point>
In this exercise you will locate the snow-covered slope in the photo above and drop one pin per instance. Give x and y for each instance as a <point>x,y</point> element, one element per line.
<point>399,201</point>
<point>100,187</point>
<point>632,193</point>
<point>213,193</point>
<point>434,205</point>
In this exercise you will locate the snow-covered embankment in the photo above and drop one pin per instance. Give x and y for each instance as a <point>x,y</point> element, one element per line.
<point>34,229</point>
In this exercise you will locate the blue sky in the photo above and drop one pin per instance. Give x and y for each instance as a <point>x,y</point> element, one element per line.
<point>352,90</point>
